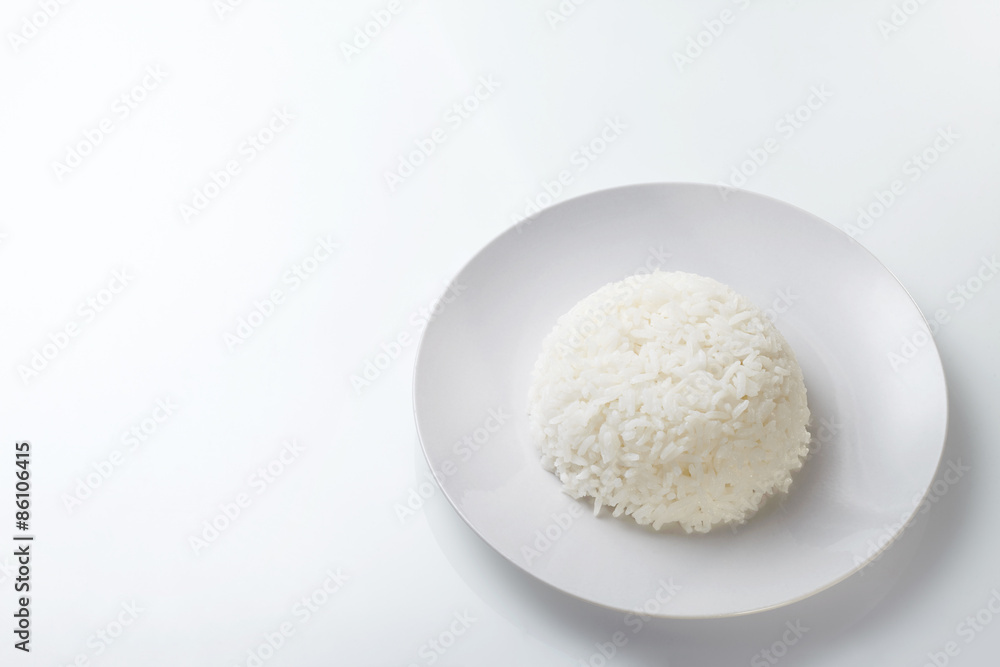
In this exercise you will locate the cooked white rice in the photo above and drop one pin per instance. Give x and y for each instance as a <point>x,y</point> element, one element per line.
<point>671,398</point>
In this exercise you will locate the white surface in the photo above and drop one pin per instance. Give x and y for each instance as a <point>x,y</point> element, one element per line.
<point>840,311</point>
<point>334,506</point>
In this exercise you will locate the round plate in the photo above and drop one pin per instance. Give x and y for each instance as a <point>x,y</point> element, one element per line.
<point>874,379</point>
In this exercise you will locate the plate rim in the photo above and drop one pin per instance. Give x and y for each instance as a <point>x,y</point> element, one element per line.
<point>650,185</point>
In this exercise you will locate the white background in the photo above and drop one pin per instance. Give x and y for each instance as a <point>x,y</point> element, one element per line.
<point>192,278</point>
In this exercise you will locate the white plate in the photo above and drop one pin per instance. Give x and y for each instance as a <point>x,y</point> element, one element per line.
<point>878,420</point>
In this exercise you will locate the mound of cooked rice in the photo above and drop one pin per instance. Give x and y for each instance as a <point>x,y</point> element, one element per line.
<point>671,398</point>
